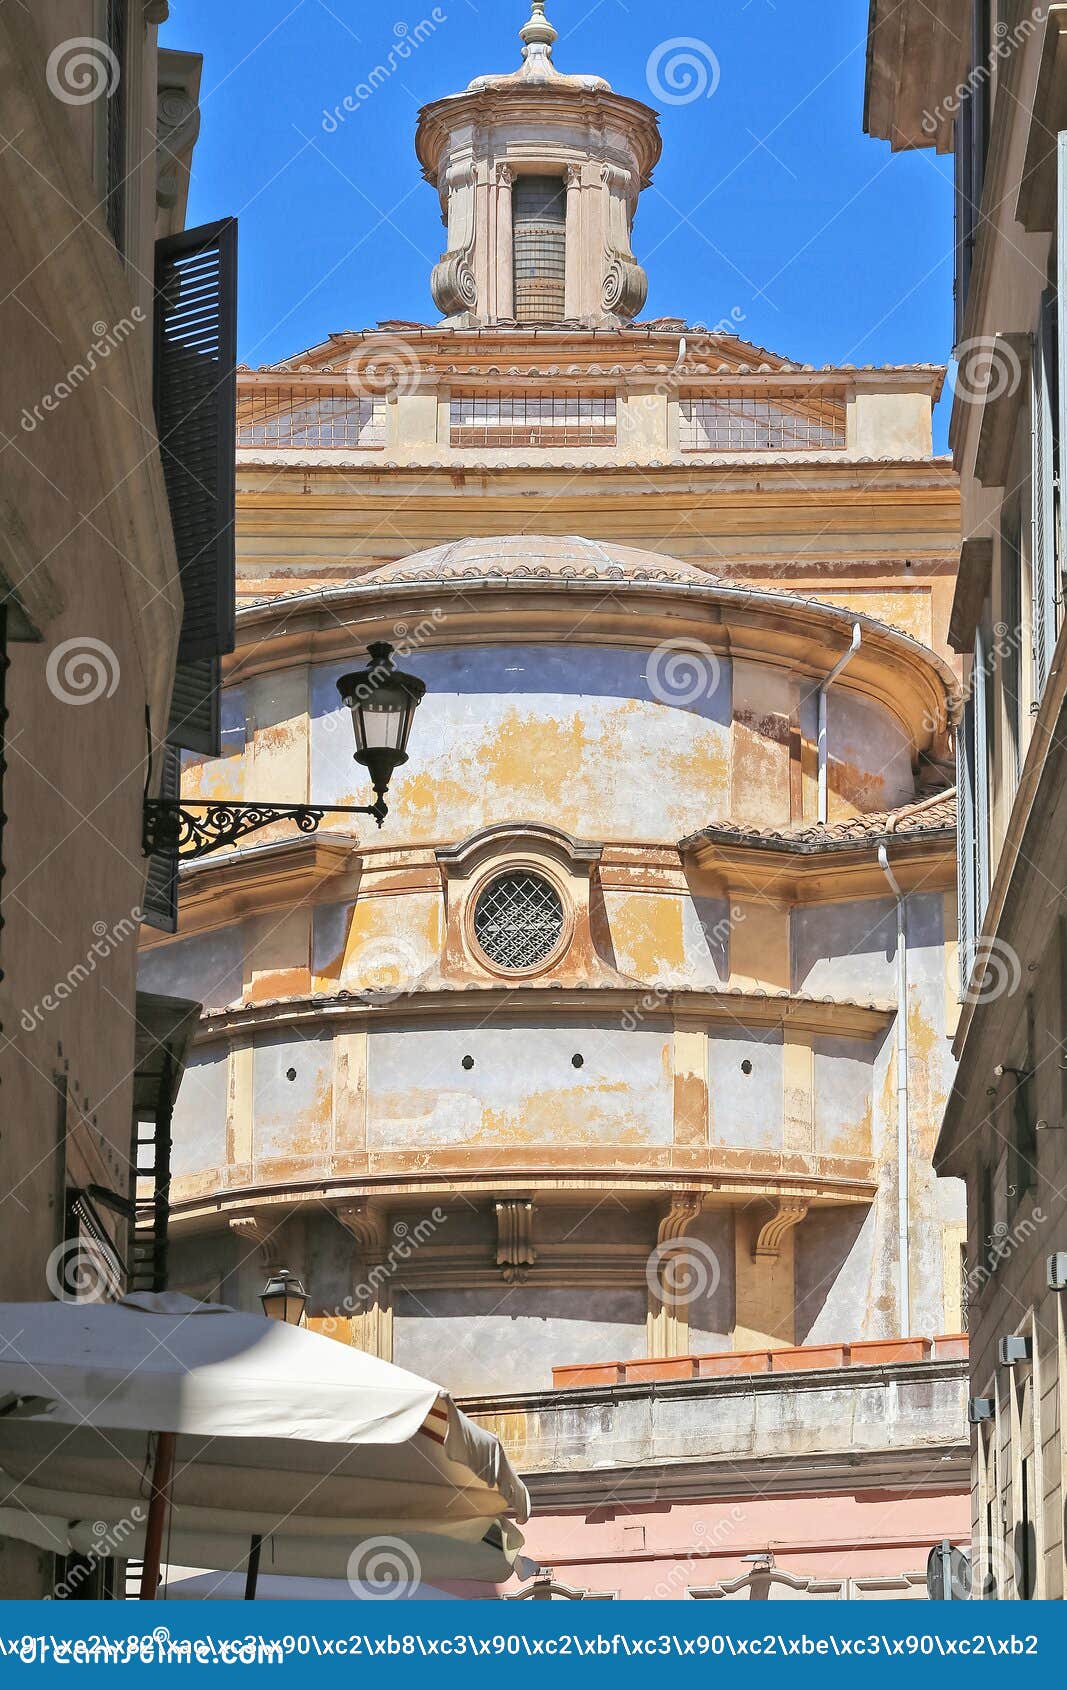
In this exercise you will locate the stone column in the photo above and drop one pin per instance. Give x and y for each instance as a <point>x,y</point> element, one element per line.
<point>574,292</point>
<point>503,303</point>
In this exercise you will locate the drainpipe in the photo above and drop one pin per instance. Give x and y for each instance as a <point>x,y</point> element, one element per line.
<point>824,717</point>
<point>903,1246</point>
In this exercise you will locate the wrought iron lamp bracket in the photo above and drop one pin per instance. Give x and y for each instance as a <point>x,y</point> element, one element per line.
<point>197,829</point>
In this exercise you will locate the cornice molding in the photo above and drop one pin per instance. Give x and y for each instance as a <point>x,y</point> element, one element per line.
<point>729,1178</point>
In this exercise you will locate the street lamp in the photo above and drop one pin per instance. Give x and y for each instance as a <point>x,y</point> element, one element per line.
<point>383,701</point>
<point>284,1298</point>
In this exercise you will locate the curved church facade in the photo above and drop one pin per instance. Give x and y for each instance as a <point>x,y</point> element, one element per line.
<point>602,1082</point>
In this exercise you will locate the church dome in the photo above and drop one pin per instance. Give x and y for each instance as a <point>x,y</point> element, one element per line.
<point>538,557</point>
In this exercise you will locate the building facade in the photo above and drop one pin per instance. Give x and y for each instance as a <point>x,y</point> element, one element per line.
<point>97,577</point>
<point>989,84</point>
<point>602,1083</point>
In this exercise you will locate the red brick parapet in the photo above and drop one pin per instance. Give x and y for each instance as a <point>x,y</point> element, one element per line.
<point>805,1358</point>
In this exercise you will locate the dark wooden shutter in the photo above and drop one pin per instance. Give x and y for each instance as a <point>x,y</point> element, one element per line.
<point>194,707</point>
<point>196,415</point>
<point>980,727</point>
<point>117,27</point>
<point>966,215</point>
<point>161,887</point>
<point>965,807</point>
<point>1043,546</point>
<point>1061,349</point>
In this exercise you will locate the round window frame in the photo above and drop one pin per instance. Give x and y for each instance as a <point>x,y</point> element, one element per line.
<point>502,871</point>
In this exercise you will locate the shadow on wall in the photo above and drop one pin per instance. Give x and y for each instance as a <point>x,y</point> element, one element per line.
<point>832,1274</point>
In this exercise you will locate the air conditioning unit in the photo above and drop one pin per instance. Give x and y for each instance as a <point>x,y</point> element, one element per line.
<point>979,1409</point>
<point>1057,1271</point>
<point>1013,1350</point>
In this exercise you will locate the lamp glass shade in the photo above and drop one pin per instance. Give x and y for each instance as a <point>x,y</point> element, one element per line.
<point>383,701</point>
<point>284,1298</point>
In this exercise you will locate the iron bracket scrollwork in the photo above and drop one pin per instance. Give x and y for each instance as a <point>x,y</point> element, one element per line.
<point>196,829</point>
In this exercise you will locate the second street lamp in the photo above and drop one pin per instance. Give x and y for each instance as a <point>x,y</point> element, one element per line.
<point>383,701</point>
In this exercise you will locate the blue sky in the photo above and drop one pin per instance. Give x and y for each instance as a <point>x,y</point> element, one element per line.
<point>770,203</point>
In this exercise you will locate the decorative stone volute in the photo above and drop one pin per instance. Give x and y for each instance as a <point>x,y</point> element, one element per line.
<point>537,122</point>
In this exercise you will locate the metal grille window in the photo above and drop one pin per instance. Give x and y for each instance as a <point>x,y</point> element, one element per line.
<point>299,416</point>
<point>518,921</point>
<point>536,419</point>
<point>539,210</point>
<point>115,137</point>
<point>738,421</point>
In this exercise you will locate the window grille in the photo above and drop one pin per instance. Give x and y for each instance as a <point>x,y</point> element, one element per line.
<point>539,212</point>
<point>738,421</point>
<point>300,416</point>
<point>518,921</point>
<point>537,419</point>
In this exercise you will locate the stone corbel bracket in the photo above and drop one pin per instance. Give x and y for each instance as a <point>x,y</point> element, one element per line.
<point>625,281</point>
<point>515,1253</point>
<point>177,126</point>
<point>254,1234</point>
<point>768,1246</point>
<point>452,284</point>
<point>369,1227</point>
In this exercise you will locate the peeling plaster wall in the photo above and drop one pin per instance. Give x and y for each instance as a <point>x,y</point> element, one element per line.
<point>746,1109</point>
<point>511,732</point>
<point>422,1098</point>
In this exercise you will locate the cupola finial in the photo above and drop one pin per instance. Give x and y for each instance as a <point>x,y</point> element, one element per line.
<point>538,33</point>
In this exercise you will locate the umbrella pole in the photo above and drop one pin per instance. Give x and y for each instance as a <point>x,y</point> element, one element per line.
<point>162,1474</point>
<point>252,1570</point>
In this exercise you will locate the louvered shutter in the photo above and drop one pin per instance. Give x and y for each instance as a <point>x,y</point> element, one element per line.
<point>196,415</point>
<point>965,213</point>
<point>965,866</point>
<point>1043,545</point>
<point>980,700</point>
<point>1061,350</point>
<point>1011,678</point>
<point>161,887</point>
<point>194,707</point>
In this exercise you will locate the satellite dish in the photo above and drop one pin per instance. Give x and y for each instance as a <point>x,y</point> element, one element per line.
<point>948,1573</point>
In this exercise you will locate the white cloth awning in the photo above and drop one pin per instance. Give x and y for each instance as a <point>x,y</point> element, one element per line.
<point>316,1447</point>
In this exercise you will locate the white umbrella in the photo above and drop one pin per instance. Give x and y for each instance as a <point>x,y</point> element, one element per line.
<point>334,1458</point>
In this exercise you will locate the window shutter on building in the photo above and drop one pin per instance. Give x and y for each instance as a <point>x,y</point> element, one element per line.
<point>196,414</point>
<point>1061,347</point>
<point>1043,544</point>
<point>194,707</point>
<point>980,719</point>
<point>161,887</point>
<point>965,213</point>
<point>965,868</point>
